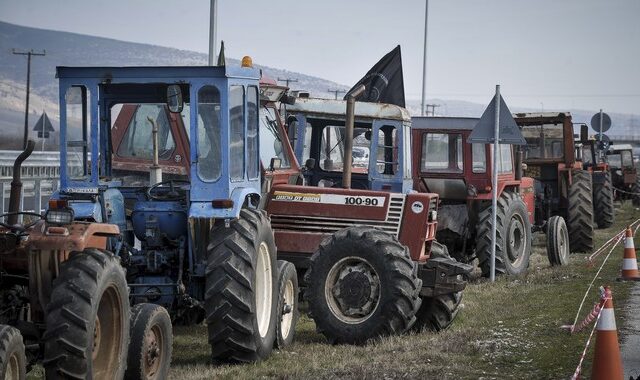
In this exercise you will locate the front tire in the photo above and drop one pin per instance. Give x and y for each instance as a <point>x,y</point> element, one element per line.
<point>241,294</point>
<point>87,319</point>
<point>580,212</point>
<point>362,284</point>
<point>288,312</point>
<point>557,241</point>
<point>151,343</point>
<point>438,313</point>
<point>513,236</point>
<point>13,361</point>
<point>603,209</point>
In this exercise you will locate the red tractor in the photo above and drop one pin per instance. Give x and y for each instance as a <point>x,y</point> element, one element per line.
<point>562,186</point>
<point>594,161</point>
<point>372,264</point>
<point>460,172</point>
<point>626,182</point>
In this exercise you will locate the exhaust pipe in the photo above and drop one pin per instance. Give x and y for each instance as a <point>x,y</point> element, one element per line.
<point>16,183</point>
<point>347,161</point>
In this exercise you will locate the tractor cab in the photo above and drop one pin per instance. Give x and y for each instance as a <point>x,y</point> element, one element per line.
<point>624,173</point>
<point>444,163</point>
<point>381,143</point>
<point>124,162</point>
<point>133,155</point>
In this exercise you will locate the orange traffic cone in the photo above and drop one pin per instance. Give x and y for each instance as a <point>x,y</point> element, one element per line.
<point>629,262</point>
<point>607,362</point>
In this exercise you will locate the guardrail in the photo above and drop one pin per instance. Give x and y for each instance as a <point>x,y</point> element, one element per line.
<point>40,178</point>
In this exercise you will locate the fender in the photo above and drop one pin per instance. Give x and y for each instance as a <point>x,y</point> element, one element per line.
<point>73,237</point>
<point>238,196</point>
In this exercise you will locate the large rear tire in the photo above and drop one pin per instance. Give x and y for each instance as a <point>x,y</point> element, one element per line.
<point>603,210</point>
<point>241,289</point>
<point>557,241</point>
<point>13,361</point>
<point>438,313</point>
<point>580,213</point>
<point>513,236</point>
<point>288,312</point>
<point>362,284</point>
<point>151,343</point>
<point>635,190</point>
<point>87,319</point>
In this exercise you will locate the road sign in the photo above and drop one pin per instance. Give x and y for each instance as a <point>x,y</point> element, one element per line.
<point>484,131</point>
<point>595,122</point>
<point>43,126</point>
<point>605,142</point>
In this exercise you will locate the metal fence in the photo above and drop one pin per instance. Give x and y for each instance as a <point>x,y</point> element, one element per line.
<point>40,178</point>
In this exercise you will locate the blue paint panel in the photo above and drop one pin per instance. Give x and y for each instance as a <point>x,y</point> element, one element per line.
<point>86,210</point>
<point>114,205</point>
<point>169,217</point>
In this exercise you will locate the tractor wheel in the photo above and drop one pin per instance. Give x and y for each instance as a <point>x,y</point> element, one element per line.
<point>513,236</point>
<point>87,319</point>
<point>635,189</point>
<point>13,362</point>
<point>580,213</point>
<point>241,289</point>
<point>288,313</point>
<point>437,313</point>
<point>151,343</point>
<point>603,210</point>
<point>361,284</point>
<point>557,241</point>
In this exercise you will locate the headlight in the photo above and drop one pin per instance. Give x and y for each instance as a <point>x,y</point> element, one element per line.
<point>60,216</point>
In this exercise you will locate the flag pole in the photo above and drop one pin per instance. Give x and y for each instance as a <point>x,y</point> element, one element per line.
<point>494,186</point>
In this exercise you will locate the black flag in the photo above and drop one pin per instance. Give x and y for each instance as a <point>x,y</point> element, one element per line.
<point>384,83</point>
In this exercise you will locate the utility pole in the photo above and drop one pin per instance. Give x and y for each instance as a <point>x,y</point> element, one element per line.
<point>287,80</point>
<point>433,108</point>
<point>424,59</point>
<point>26,112</point>
<point>336,92</point>
<point>213,31</point>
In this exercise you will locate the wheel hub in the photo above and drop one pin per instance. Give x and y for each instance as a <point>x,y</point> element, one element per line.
<point>152,352</point>
<point>356,290</point>
<point>516,244</point>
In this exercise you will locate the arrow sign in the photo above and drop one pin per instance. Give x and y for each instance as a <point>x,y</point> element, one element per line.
<point>43,126</point>
<point>484,131</point>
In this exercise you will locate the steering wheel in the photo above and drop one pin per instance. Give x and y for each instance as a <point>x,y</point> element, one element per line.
<point>173,194</point>
<point>18,227</point>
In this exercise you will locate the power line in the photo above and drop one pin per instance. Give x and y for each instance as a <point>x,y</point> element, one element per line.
<point>26,112</point>
<point>287,80</point>
<point>336,92</point>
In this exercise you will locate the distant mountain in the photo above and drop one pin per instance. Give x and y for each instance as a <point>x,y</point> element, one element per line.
<point>70,49</point>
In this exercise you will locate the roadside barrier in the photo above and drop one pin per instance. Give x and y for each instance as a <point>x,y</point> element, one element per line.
<point>629,261</point>
<point>607,361</point>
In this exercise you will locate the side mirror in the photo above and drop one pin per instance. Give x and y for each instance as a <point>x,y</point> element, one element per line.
<point>310,163</point>
<point>275,163</point>
<point>174,98</point>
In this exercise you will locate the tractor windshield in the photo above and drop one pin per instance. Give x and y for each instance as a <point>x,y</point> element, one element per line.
<point>627,159</point>
<point>270,143</point>
<point>615,161</point>
<point>544,141</point>
<point>441,152</point>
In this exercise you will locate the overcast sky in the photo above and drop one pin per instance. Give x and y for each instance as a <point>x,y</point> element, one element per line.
<point>555,54</point>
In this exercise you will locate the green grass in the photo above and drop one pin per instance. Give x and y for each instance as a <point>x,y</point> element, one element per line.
<point>506,329</point>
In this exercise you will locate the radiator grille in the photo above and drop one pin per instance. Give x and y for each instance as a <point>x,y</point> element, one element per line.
<point>330,225</point>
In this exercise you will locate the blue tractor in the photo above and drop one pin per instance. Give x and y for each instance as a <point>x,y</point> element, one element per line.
<point>197,245</point>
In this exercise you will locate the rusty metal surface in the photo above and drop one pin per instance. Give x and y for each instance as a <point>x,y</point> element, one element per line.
<point>336,108</point>
<point>78,236</point>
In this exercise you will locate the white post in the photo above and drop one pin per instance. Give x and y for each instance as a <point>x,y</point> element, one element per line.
<point>424,59</point>
<point>213,31</point>
<point>494,186</point>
